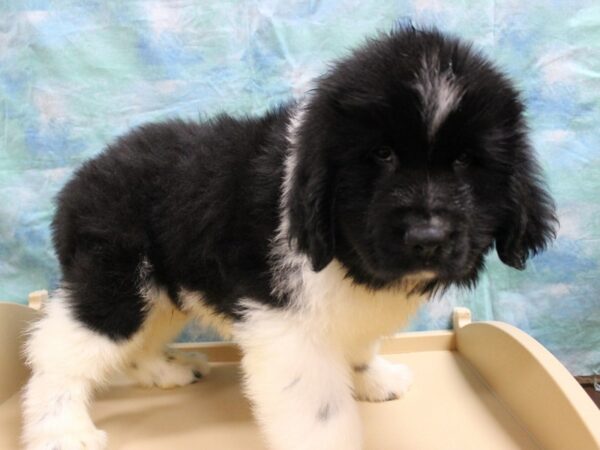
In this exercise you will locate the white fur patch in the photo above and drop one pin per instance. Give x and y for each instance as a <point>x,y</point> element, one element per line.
<point>68,361</point>
<point>285,261</point>
<point>351,313</point>
<point>299,385</point>
<point>440,92</point>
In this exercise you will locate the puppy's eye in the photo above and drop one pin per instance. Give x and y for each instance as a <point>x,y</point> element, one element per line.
<point>384,154</point>
<point>464,159</point>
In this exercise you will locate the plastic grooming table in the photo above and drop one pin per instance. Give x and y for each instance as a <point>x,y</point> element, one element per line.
<point>482,386</point>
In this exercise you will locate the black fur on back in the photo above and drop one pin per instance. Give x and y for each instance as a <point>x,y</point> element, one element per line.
<point>186,205</point>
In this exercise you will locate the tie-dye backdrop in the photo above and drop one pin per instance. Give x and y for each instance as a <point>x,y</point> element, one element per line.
<point>75,74</point>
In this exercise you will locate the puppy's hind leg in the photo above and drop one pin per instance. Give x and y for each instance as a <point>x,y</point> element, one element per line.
<point>68,360</point>
<point>89,331</point>
<point>153,364</point>
<point>298,383</point>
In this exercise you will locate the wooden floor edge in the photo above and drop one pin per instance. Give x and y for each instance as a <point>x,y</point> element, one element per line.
<point>418,341</point>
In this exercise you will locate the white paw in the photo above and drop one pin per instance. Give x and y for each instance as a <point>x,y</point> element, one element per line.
<point>84,439</point>
<point>169,369</point>
<point>381,380</point>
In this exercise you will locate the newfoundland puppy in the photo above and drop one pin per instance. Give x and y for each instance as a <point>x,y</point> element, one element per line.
<point>304,235</point>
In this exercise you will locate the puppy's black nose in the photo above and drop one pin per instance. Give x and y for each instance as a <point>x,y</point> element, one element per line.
<point>427,239</point>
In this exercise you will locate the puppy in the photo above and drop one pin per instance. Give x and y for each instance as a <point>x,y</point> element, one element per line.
<point>304,235</point>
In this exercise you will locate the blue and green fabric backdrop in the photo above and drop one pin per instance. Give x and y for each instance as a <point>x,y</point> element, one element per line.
<point>75,74</point>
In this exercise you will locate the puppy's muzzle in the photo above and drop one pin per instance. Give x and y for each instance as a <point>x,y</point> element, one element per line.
<point>427,240</point>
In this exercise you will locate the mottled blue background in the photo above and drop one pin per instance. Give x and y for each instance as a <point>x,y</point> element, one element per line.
<point>75,74</point>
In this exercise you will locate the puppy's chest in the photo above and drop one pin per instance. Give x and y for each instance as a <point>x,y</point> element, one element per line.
<point>372,315</point>
<point>350,310</point>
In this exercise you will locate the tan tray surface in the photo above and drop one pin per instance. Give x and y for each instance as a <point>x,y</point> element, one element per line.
<point>465,396</point>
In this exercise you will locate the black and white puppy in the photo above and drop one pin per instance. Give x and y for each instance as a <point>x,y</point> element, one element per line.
<point>305,235</point>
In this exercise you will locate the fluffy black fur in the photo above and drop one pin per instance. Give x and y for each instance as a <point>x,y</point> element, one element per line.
<point>197,205</point>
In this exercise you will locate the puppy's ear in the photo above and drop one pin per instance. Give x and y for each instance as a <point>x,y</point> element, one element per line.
<point>310,201</point>
<point>531,221</point>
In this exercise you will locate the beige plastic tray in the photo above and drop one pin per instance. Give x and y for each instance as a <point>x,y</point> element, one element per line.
<point>484,386</point>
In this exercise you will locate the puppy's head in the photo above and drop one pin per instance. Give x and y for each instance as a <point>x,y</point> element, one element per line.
<point>412,158</point>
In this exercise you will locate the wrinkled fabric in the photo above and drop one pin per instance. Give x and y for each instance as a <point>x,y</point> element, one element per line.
<point>74,75</point>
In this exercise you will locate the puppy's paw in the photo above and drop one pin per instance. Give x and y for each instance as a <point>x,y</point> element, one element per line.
<point>380,380</point>
<point>88,438</point>
<point>169,369</point>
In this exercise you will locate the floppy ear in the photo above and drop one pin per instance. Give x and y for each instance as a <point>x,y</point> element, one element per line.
<point>310,202</point>
<point>531,221</point>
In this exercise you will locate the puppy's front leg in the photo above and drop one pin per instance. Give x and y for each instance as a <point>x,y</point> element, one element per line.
<point>299,385</point>
<point>375,378</point>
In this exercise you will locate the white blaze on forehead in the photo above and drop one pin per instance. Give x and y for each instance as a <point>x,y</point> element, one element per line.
<point>440,93</point>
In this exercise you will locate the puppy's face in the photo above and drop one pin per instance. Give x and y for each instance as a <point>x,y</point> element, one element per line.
<point>413,159</point>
